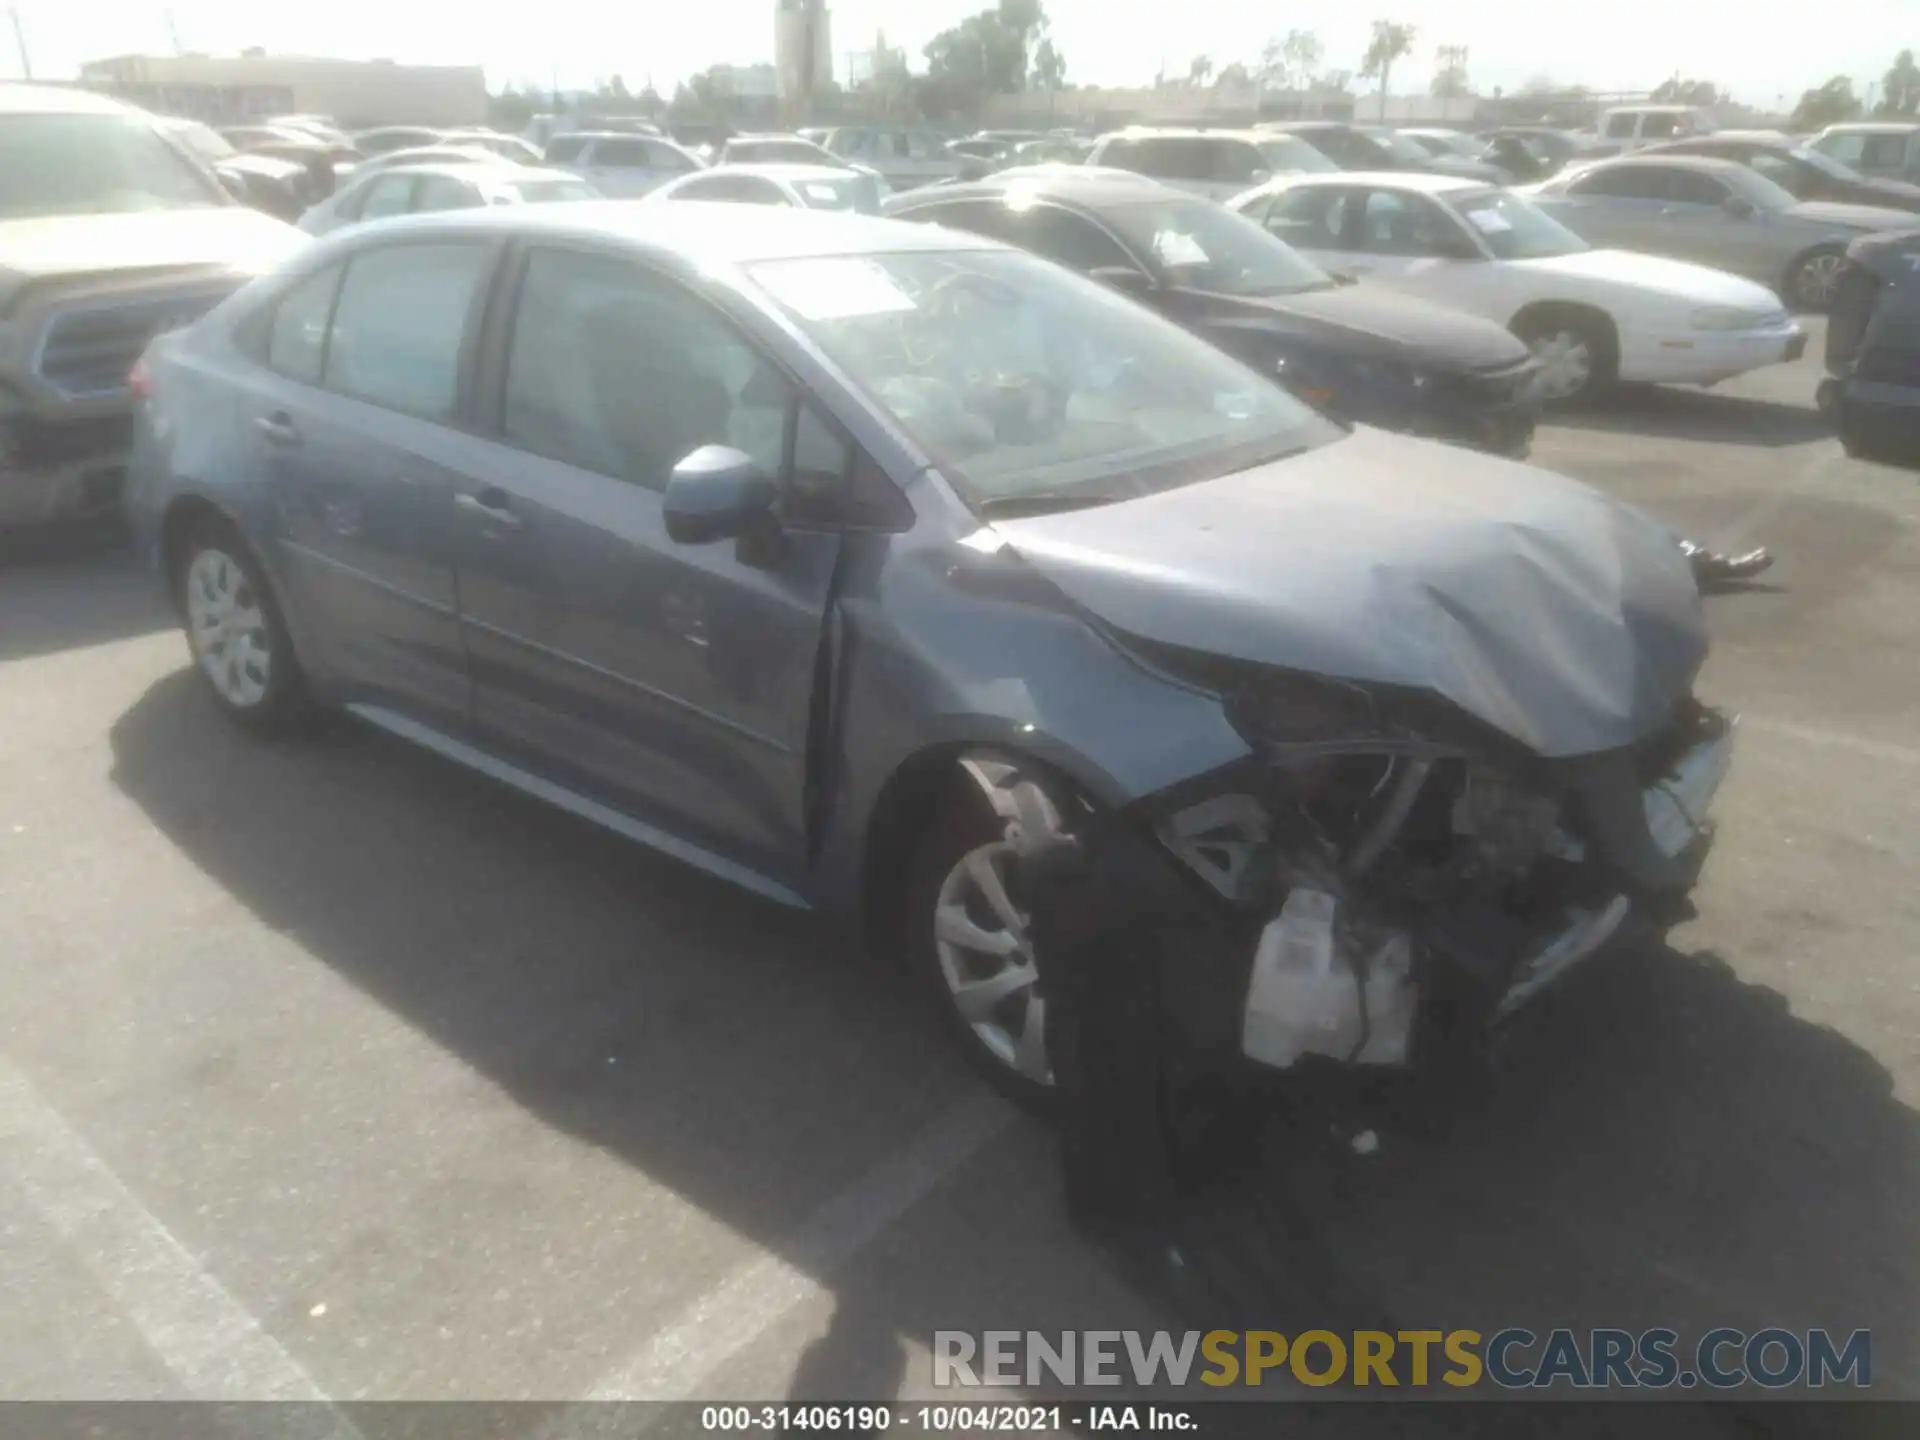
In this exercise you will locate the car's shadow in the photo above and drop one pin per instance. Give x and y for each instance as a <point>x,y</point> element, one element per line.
<point>68,589</point>
<point>1667,1145</point>
<point>1677,413</point>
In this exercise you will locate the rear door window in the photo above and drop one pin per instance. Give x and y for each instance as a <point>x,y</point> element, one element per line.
<point>400,325</point>
<point>1620,127</point>
<point>1625,182</point>
<point>1690,187</point>
<point>297,338</point>
<point>1065,238</point>
<point>443,192</point>
<point>565,149</point>
<point>1234,162</point>
<point>1313,217</point>
<point>388,195</point>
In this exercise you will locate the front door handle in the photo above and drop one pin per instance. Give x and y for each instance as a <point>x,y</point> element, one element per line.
<point>491,507</point>
<point>278,429</point>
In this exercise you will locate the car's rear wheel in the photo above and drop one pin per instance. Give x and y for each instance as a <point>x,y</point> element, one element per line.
<point>971,947</point>
<point>235,633</point>
<point>1813,279</point>
<point>1575,353</point>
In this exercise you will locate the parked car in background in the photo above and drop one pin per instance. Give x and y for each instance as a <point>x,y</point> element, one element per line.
<point>1628,127</point>
<point>1216,163</point>
<point>109,233</point>
<point>799,187</point>
<point>1549,149</point>
<point>1804,173</point>
<point>904,157</point>
<point>507,147</point>
<point>281,188</point>
<point>1872,393</point>
<point>1714,212</point>
<point>411,189</point>
<point>1362,355</point>
<point>981,147</point>
<point>621,165</point>
<point>1375,147</point>
<point>791,150</point>
<point>1885,149</point>
<point>321,127</point>
<point>776,540</point>
<point>384,138</point>
<point>1438,141</point>
<point>1051,150</point>
<point>1591,316</point>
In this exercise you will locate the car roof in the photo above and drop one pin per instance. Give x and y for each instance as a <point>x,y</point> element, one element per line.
<point>1873,127</point>
<point>59,100</point>
<point>1707,164</point>
<point>1187,132</point>
<point>781,170</point>
<point>479,174</point>
<point>1088,186</point>
<point>707,231</point>
<point>1384,180</point>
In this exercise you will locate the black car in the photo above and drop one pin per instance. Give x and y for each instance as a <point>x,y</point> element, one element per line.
<point>1872,395</point>
<point>1359,354</point>
<point>1805,174</point>
<point>1376,147</point>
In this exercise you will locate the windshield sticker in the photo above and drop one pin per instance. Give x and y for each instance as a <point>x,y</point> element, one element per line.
<point>1489,222</point>
<point>1176,248</point>
<point>833,289</point>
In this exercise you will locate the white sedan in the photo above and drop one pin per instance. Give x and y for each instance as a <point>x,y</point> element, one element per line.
<point>1591,316</point>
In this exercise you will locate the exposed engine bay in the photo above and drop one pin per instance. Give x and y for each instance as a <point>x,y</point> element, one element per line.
<point>1385,903</point>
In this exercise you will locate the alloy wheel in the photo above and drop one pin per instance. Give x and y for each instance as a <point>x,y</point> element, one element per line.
<point>227,628</point>
<point>1818,278</point>
<point>984,945</point>
<point>1566,363</point>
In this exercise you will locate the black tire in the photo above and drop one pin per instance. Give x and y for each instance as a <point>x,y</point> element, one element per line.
<point>1813,279</point>
<point>964,824</point>
<point>1550,324</point>
<point>213,558</point>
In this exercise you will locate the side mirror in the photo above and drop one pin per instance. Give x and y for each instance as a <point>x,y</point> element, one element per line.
<point>1259,177</point>
<point>717,493</point>
<point>232,184</point>
<point>1739,208</point>
<point>1341,277</point>
<point>1124,278</point>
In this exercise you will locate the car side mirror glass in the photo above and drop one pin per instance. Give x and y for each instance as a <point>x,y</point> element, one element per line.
<point>717,493</point>
<point>1124,278</point>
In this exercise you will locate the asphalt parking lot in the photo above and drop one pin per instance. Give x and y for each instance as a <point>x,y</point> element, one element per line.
<point>330,1071</point>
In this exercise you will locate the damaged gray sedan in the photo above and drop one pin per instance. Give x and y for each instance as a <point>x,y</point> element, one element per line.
<point>800,546</point>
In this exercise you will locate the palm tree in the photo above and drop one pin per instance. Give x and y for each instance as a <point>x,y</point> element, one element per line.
<point>1391,41</point>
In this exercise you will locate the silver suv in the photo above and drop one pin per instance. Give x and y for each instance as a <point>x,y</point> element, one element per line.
<point>109,234</point>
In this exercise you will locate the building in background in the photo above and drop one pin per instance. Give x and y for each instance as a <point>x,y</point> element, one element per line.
<point>228,89</point>
<point>802,48</point>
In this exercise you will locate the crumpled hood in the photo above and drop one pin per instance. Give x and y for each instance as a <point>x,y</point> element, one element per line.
<point>1563,618</point>
<point>211,237</point>
<point>1375,322</point>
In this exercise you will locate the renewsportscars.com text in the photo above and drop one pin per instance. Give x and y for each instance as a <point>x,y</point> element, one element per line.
<point>1512,1359</point>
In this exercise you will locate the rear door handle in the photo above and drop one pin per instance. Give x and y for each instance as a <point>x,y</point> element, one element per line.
<point>277,429</point>
<point>491,507</point>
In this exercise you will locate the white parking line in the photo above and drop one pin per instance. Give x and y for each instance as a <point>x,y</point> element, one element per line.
<point>679,1358</point>
<point>213,1346</point>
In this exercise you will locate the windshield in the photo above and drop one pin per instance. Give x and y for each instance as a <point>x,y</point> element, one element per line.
<point>1513,228</point>
<point>1201,246</point>
<point>1289,156</point>
<point>837,192</point>
<point>537,192</point>
<point>1398,146</point>
<point>1031,386</point>
<point>202,140</point>
<point>93,165</point>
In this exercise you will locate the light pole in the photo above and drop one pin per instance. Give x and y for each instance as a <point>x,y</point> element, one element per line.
<point>20,39</point>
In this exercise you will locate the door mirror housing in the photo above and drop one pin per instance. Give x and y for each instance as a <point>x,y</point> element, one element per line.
<point>1260,177</point>
<point>1126,279</point>
<point>1343,277</point>
<point>1739,207</point>
<point>717,493</point>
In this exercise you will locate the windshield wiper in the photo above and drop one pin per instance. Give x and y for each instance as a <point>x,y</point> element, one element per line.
<point>1041,502</point>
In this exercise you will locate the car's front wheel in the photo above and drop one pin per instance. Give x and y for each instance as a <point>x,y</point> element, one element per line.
<point>234,631</point>
<point>1814,278</point>
<point>971,945</point>
<point>1575,351</point>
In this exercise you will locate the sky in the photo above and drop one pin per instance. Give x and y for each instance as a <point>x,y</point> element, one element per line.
<point>1759,53</point>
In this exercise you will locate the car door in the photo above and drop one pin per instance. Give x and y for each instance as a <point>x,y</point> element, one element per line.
<point>1705,220</point>
<point>366,372</point>
<point>673,682</point>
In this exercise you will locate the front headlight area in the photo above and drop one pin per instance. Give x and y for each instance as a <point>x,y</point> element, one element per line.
<point>1731,317</point>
